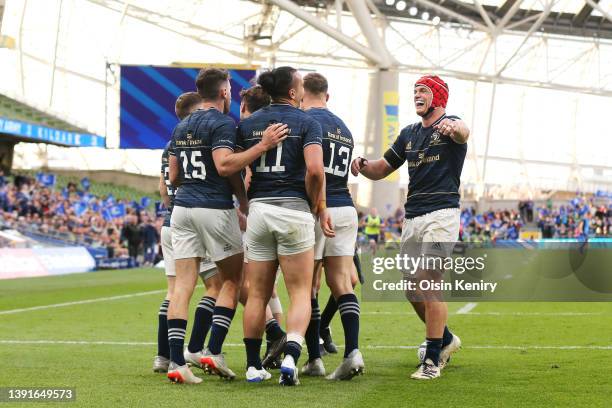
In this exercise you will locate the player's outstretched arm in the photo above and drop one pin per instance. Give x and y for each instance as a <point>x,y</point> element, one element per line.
<point>228,162</point>
<point>372,169</point>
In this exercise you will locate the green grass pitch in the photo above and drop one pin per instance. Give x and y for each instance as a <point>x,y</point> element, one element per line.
<point>514,354</point>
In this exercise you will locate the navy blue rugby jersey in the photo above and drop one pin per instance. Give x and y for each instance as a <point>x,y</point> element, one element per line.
<point>434,167</point>
<point>165,171</point>
<point>279,172</point>
<point>193,142</point>
<point>337,154</point>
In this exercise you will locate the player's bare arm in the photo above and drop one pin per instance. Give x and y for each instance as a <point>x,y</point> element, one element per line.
<point>248,174</point>
<point>315,186</point>
<point>239,191</point>
<point>372,169</point>
<point>455,129</point>
<point>174,172</point>
<point>163,191</point>
<point>228,162</point>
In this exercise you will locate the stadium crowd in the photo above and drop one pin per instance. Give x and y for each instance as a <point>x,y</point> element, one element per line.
<point>125,229</point>
<point>73,215</point>
<point>581,217</point>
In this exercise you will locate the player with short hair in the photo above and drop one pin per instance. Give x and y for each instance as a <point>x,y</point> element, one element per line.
<point>204,221</point>
<point>435,150</point>
<point>335,253</point>
<point>184,106</point>
<point>287,186</point>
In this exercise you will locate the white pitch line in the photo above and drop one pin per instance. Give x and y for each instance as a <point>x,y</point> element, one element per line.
<point>467,308</point>
<point>94,343</point>
<point>505,347</point>
<point>82,302</point>
<point>536,314</point>
<point>408,312</point>
<point>391,347</point>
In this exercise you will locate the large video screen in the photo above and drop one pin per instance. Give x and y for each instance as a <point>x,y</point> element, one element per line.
<point>147,98</point>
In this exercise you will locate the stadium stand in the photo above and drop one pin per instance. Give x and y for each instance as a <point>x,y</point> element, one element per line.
<point>107,221</point>
<point>579,217</point>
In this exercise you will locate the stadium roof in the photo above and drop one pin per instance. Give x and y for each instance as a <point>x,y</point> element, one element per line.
<point>583,18</point>
<point>13,109</point>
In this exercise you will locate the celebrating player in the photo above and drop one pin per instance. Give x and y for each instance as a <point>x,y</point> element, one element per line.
<point>204,221</point>
<point>185,105</point>
<point>280,225</point>
<point>435,150</point>
<point>336,252</point>
<point>251,100</point>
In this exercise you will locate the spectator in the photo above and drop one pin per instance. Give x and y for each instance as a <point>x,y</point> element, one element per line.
<point>150,240</point>
<point>133,236</point>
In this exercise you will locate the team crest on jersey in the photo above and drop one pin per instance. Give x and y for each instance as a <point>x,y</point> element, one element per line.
<point>338,131</point>
<point>435,139</point>
<point>189,135</point>
<point>421,155</point>
<point>409,145</point>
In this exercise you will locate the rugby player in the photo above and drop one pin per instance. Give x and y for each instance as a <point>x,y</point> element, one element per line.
<point>185,105</point>
<point>251,100</point>
<point>287,186</point>
<point>435,150</point>
<point>336,253</point>
<point>204,221</point>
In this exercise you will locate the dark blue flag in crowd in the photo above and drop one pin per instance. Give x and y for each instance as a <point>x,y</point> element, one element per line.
<point>117,211</point>
<point>60,210</point>
<point>160,209</point>
<point>47,179</point>
<point>145,202</point>
<point>135,205</point>
<point>85,183</point>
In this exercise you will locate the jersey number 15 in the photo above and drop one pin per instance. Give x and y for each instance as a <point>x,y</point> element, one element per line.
<point>193,166</point>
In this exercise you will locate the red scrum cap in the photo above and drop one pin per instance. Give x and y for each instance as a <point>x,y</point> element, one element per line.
<point>437,87</point>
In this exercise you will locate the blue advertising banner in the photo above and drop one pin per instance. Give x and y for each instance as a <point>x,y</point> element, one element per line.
<point>43,134</point>
<point>147,99</point>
